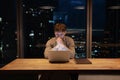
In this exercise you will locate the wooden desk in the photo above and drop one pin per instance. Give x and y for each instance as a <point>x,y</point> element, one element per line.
<point>43,64</point>
<point>37,66</point>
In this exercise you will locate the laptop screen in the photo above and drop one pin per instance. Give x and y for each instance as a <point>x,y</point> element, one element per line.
<point>59,56</point>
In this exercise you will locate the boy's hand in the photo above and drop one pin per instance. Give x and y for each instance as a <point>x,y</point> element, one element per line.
<point>59,40</point>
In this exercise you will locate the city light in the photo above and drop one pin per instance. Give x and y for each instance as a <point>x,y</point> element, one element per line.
<point>47,7</point>
<point>114,7</point>
<point>0,19</point>
<point>79,7</point>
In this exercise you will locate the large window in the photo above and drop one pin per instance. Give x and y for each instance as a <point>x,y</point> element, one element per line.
<point>106,29</point>
<point>8,38</point>
<point>35,20</point>
<point>40,16</point>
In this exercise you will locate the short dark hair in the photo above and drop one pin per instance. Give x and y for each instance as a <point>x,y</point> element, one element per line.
<point>60,27</point>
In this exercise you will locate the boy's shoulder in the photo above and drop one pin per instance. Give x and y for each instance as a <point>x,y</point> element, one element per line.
<point>52,39</point>
<point>67,37</point>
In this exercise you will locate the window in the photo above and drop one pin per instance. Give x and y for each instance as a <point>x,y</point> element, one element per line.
<point>44,14</point>
<point>40,16</point>
<point>106,30</point>
<point>8,34</point>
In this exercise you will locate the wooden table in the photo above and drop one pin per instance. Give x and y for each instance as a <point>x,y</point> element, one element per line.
<point>35,66</point>
<point>43,64</point>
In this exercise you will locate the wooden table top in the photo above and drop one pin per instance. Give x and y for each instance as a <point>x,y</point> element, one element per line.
<point>43,64</point>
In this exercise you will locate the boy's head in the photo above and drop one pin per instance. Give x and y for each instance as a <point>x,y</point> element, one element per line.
<point>60,30</point>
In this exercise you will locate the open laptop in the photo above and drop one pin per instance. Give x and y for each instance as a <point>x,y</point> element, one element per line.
<point>59,56</point>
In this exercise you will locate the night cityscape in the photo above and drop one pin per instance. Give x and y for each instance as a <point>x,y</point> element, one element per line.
<point>40,16</point>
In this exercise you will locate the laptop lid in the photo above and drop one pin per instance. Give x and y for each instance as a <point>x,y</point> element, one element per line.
<point>59,56</point>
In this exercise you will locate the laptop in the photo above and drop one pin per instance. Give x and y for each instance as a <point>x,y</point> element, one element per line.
<point>59,56</point>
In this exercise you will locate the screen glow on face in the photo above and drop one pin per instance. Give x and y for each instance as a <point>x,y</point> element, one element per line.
<point>60,34</point>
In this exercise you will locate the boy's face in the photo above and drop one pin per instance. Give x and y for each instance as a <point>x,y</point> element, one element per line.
<point>60,34</point>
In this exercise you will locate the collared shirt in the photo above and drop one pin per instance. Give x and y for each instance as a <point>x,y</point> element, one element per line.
<point>68,42</point>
